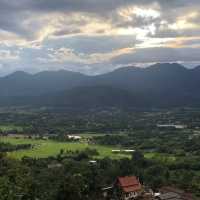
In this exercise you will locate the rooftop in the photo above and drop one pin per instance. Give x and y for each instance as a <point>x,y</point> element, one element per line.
<point>129,184</point>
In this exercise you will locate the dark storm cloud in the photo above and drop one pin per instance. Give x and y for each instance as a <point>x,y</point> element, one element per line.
<point>88,5</point>
<point>10,16</point>
<point>14,13</point>
<point>96,6</point>
<point>100,5</point>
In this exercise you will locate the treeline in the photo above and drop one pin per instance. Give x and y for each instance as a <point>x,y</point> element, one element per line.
<point>174,142</point>
<point>7,147</point>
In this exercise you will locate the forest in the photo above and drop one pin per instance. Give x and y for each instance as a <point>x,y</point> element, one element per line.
<point>37,161</point>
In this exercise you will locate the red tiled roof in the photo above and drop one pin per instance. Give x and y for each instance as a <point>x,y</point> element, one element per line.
<point>132,188</point>
<point>129,184</point>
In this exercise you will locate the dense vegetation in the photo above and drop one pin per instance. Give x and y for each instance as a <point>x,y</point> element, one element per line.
<point>74,177</point>
<point>60,169</point>
<point>7,147</point>
<point>61,120</point>
<point>157,140</point>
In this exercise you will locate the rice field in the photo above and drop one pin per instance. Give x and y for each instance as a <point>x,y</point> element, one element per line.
<point>46,148</point>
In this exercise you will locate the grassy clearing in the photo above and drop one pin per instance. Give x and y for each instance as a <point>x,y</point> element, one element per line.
<point>91,135</point>
<point>46,148</point>
<point>161,157</point>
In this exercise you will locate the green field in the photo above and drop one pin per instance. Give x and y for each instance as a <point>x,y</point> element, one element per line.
<point>161,157</point>
<point>46,148</point>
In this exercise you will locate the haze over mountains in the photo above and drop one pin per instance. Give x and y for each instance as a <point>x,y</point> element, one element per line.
<point>160,85</point>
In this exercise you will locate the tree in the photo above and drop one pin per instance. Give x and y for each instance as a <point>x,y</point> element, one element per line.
<point>73,187</point>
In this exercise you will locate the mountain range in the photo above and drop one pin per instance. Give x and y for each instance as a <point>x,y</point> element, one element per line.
<point>159,85</point>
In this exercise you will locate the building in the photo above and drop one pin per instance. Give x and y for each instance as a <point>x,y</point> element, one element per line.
<point>174,126</point>
<point>127,188</point>
<point>74,137</point>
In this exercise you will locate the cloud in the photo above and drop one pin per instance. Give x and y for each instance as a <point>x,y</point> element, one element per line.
<point>8,55</point>
<point>161,54</point>
<point>88,35</point>
<point>63,55</point>
<point>31,20</point>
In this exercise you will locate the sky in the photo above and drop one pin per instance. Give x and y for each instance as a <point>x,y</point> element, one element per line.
<point>97,36</point>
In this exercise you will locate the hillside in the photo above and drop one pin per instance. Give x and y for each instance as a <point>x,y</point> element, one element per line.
<point>24,84</point>
<point>160,85</point>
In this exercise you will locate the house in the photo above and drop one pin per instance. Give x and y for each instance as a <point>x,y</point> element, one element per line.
<point>175,126</point>
<point>127,188</point>
<point>116,151</point>
<point>129,150</point>
<point>74,137</point>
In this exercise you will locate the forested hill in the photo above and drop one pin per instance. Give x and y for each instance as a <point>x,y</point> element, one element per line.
<point>160,85</point>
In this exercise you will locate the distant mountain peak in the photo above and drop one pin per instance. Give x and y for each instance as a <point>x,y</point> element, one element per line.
<point>127,68</point>
<point>169,66</point>
<point>18,74</point>
<point>58,72</point>
<point>155,67</point>
<point>162,84</point>
<point>197,68</point>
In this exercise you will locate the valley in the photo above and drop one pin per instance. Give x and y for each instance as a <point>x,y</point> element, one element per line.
<point>160,146</point>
